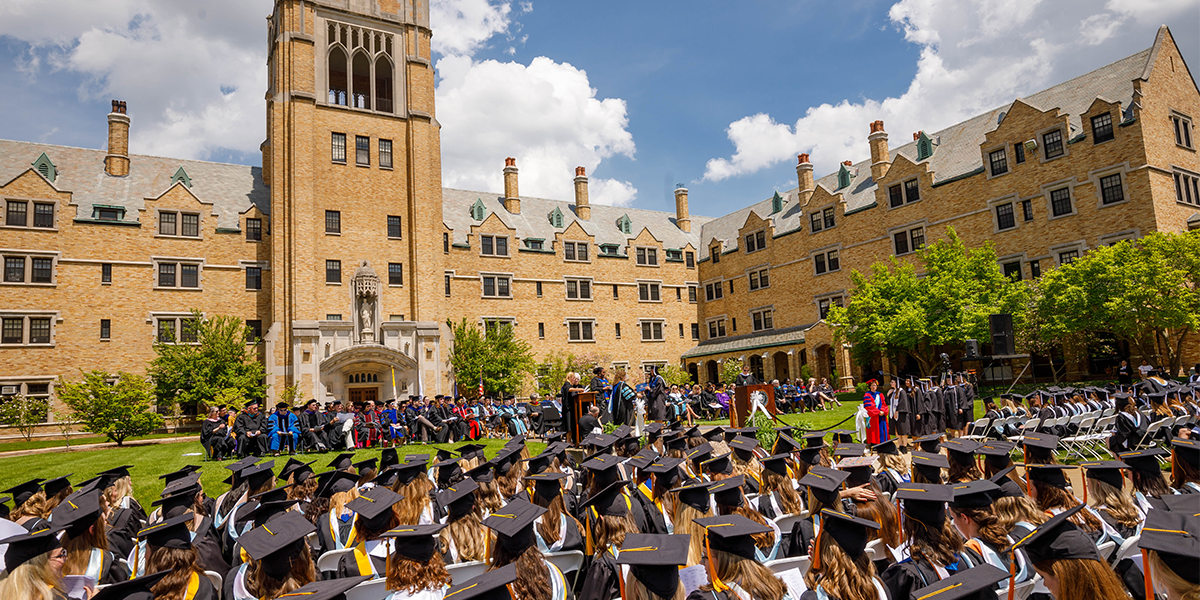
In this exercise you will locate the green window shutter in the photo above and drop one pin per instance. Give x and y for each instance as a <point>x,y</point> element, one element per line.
<point>45,167</point>
<point>625,225</point>
<point>478,211</point>
<point>181,176</point>
<point>776,203</point>
<point>556,218</point>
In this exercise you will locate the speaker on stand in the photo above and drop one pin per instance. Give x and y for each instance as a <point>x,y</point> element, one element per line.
<point>1003,343</point>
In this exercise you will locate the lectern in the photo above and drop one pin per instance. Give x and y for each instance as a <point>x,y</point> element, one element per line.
<point>739,412</point>
<point>583,401</point>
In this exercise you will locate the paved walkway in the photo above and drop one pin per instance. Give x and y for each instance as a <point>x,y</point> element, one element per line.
<point>98,446</point>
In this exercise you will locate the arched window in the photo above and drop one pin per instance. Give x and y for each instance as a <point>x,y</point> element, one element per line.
<point>361,81</point>
<point>337,77</point>
<point>383,85</point>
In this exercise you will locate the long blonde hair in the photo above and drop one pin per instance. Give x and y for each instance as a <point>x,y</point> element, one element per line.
<point>79,548</point>
<point>118,490</point>
<point>684,519</point>
<point>416,498</point>
<point>1012,509</point>
<point>1084,579</point>
<point>838,575</point>
<point>1105,497</point>
<point>1171,580</point>
<point>758,581</point>
<point>34,507</point>
<point>789,498</point>
<point>32,580</point>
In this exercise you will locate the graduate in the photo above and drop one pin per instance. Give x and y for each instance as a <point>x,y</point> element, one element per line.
<point>987,542</point>
<point>841,569</point>
<point>778,497</point>
<point>415,570</point>
<point>464,539</point>
<point>85,541</point>
<point>413,483</point>
<point>1149,485</point>
<point>901,414</point>
<point>733,569</point>
<point>893,469</point>
<point>279,561</point>
<point>610,520</point>
<point>1107,499</point>
<point>978,583</point>
<point>1170,544</point>
<point>1185,466</point>
<point>34,563</point>
<point>877,411</point>
<point>1068,562</point>
<point>1048,486</point>
<point>538,579</point>
<point>730,499</point>
<point>556,530</point>
<point>335,527</point>
<point>693,502</point>
<point>932,545</point>
<point>30,503</point>
<point>654,562</point>
<point>962,460</point>
<point>170,551</point>
<point>375,516</point>
<point>1131,425</point>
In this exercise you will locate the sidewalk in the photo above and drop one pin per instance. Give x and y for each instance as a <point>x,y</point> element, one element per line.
<point>98,446</point>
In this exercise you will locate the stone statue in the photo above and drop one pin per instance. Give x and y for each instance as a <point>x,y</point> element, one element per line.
<point>366,290</point>
<point>367,307</point>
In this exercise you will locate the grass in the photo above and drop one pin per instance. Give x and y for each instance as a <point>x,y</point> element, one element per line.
<point>153,460</point>
<point>79,441</point>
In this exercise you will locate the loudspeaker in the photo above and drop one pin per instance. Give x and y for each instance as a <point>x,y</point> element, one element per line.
<point>1002,334</point>
<point>972,349</point>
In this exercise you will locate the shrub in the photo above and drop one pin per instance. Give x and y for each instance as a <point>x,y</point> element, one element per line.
<point>118,407</point>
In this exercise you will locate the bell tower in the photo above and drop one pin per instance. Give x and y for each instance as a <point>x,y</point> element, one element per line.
<point>353,162</point>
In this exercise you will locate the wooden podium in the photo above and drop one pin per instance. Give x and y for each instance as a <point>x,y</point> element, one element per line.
<point>583,401</point>
<point>739,411</point>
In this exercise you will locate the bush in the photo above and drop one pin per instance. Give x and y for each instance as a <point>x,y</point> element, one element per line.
<point>861,388</point>
<point>118,410</point>
<point>24,413</point>
<point>806,373</point>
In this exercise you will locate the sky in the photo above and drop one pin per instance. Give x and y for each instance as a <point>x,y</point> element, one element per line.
<point>717,96</point>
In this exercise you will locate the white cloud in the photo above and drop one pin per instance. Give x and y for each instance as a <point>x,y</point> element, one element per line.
<point>975,55</point>
<point>462,27</point>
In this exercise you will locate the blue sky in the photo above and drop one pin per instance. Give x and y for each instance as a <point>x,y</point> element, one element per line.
<point>719,96</point>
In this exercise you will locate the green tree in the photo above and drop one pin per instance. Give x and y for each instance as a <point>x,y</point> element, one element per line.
<point>552,371</point>
<point>498,356</point>
<point>675,375</point>
<point>119,410</point>
<point>24,413</point>
<point>1145,292</point>
<point>730,369</point>
<point>893,311</point>
<point>221,359</point>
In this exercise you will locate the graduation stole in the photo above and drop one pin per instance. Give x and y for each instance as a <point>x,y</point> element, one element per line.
<point>363,560</point>
<point>719,585</point>
<point>596,515</point>
<point>193,586</point>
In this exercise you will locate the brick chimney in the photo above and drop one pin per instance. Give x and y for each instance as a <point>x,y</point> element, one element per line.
<point>682,217</point>
<point>804,173</point>
<point>881,161</point>
<point>583,210</point>
<point>116,162</point>
<point>512,197</point>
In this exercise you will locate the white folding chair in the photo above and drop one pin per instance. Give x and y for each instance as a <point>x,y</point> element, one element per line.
<point>1152,430</point>
<point>566,562</point>
<point>784,564</point>
<point>1127,549</point>
<point>460,572</point>
<point>1074,442</point>
<point>1106,549</point>
<point>216,580</point>
<point>328,562</point>
<point>977,430</point>
<point>373,589</point>
<point>786,522</point>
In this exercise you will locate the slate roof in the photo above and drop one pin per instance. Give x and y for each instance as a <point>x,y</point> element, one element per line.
<point>534,220</point>
<point>750,341</point>
<point>956,149</point>
<point>231,189</point>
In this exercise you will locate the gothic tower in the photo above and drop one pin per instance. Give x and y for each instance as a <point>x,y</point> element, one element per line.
<point>352,159</point>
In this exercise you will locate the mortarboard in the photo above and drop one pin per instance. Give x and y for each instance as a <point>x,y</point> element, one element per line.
<point>484,473</point>
<point>925,502</point>
<point>695,495</point>
<point>824,483</point>
<point>24,491</point>
<point>273,544</point>
<point>1108,471</point>
<point>812,454</point>
<point>997,453</point>
<point>860,468</point>
<point>976,583</point>
<point>515,442</point>
<point>622,431</point>
<point>1144,461</point>
<point>786,443</point>
<point>241,464</point>
<point>77,513</point>
<point>743,446</point>
<point>728,492</point>
<point>974,494</point>
<point>53,486</point>
<point>368,464</point>
<point>1040,444</point>
<point>388,457</point>
<point>344,460</point>
<point>492,585</point>
<point>375,504</point>
<point>601,462</point>
<point>459,498</point>
<point>654,560</point>
<point>258,475</point>
<point>1188,450</point>
<point>266,512</point>
<point>731,534</point>
<point>1058,539</point>
<point>929,443</point>
<point>416,542</point>
<point>174,476</point>
<point>776,463</point>
<point>1176,538</point>
<point>171,533</point>
<point>1050,474</point>
<point>851,533</point>
<point>715,434</point>
<point>610,501</point>
<point>888,447</point>
<point>332,589</point>
<point>842,436</point>
<point>27,546</point>
<point>469,451</point>
<point>1183,503</point>
<point>962,451</point>
<point>536,464</point>
<point>813,439</point>
<point>132,589</point>
<point>930,465</point>
<point>642,459</point>
<point>513,525</point>
<point>718,464</point>
<point>850,449</point>
<point>548,484</point>
<point>337,482</point>
<point>408,471</point>
<point>675,442</point>
<point>1006,487</point>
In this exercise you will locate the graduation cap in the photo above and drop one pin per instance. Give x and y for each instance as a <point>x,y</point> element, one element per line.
<point>664,465</point>
<point>929,443</point>
<point>171,533</point>
<point>1144,461</point>
<point>925,502</point>
<point>1108,471</point>
<point>888,447</point>
<point>513,525</point>
<point>258,475</point>
<point>642,459</point>
<point>506,458</point>
<point>344,460</point>
<point>117,472</point>
<point>132,589</point>
<point>388,457</point>
<point>277,536</point>
<point>408,471</point>
<point>850,533</point>
<point>622,431</point>
<point>700,453</point>
<point>813,439</point>
<point>241,464</point>
<point>811,455</point>
<point>24,491</point>
<point>930,465</point>
<point>415,542</point>
<point>1059,539</point>
<point>610,501</point>
<point>299,473</point>
<point>449,471</point>
<point>1005,486</point>
<point>548,484</point>
<point>1050,474</point>
<point>333,589</point>
<point>375,505</point>
<point>1188,450</point>
<point>720,465</point>
<point>744,446</point>
<point>77,513</point>
<point>997,453</point>
<point>559,435</point>
<point>692,432</point>
<point>271,495</point>
<point>962,451</point>
<point>731,534</point>
<point>860,468</point>
<point>337,482</point>
<point>444,455</point>
<point>788,429</point>
<point>1041,445</point>
<point>654,560</point>
<point>842,436</point>
<point>491,585</point>
<point>252,402</point>
<point>27,546</point>
<point>174,476</point>
<point>1183,503</point>
<point>974,494</point>
<point>729,491</point>
<point>368,464</point>
<point>53,486</point>
<point>601,462</point>
<point>976,583</point>
<point>534,465</point>
<point>850,449</point>
<point>602,441</point>
<point>1175,536</point>
<point>695,495</point>
<point>515,442</point>
<point>266,512</point>
<point>675,442</point>
<point>179,496</point>
<point>824,483</point>
<point>715,434</point>
<point>776,463</point>
<point>484,473</point>
<point>469,451</point>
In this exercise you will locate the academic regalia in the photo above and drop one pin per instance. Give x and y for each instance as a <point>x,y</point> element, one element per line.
<point>926,503</point>
<point>245,423</point>
<point>877,426</point>
<point>281,423</point>
<point>77,514</point>
<point>656,399</point>
<point>1131,428</point>
<point>903,410</point>
<point>273,549</point>
<point>363,562</point>
<point>310,420</point>
<point>514,532</point>
<point>208,550</point>
<point>214,436</point>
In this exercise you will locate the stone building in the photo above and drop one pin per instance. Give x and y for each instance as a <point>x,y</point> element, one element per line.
<point>347,257</point>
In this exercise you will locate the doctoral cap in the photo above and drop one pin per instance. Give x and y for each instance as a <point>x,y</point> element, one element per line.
<point>1058,539</point>
<point>491,585</point>
<point>732,534</point>
<point>416,542</point>
<point>1176,538</point>
<point>654,560</point>
<point>925,502</point>
<point>851,533</point>
<point>976,583</point>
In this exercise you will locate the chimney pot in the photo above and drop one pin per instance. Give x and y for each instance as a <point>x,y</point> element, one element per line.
<point>847,163</point>
<point>803,158</point>
<point>510,162</point>
<point>881,159</point>
<point>580,171</point>
<point>683,217</point>
<point>916,135</point>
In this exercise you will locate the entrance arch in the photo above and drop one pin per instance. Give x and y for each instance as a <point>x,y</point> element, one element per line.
<point>365,372</point>
<point>782,368</point>
<point>712,371</point>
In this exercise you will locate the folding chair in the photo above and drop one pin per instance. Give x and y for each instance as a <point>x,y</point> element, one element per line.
<point>460,572</point>
<point>977,430</point>
<point>328,563</point>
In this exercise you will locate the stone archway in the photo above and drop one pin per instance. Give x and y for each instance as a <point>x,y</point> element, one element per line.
<point>368,371</point>
<point>782,369</point>
<point>713,371</point>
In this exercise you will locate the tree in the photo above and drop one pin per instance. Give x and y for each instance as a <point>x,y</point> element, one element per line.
<point>552,371</point>
<point>1145,292</point>
<point>730,369</point>
<point>118,409</point>
<point>497,356</point>
<point>893,311</point>
<point>189,374</point>
<point>24,413</point>
<point>675,375</point>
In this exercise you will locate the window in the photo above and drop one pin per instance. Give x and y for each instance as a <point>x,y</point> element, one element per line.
<point>1027,209</point>
<point>759,279</point>
<point>541,331</point>
<point>716,328</point>
<point>385,154</point>
<point>166,223</point>
<point>39,330</point>
<point>1019,153</point>
<point>253,230</point>
<point>826,262</point>
<point>822,220</point>
<point>617,330</point>
<point>16,213</point>
<point>393,227</point>
<point>15,327</point>
<point>338,150</point>
<point>576,251</point>
<point>998,161</point>
<point>918,240</point>
<point>333,317</point>
<point>689,258</point>
<point>1102,129</point>
<point>106,273</point>
<point>730,286</point>
<point>763,319</point>
<point>491,326</point>
<point>108,213</point>
<point>40,269</point>
<point>824,304</point>
<point>681,331</point>
<point>362,150</point>
<point>1067,257</point>
<point>1060,202</point>
<point>692,294</point>
<point>901,242</point>
<point>539,289</point>
<point>395,274</point>
<point>166,331</point>
<point>647,257</point>
<point>695,331</point>
<point>333,221</point>
<point>13,330</point>
<point>1111,191</point>
<point>534,244</point>
<point>1183,130</point>
<point>14,269</point>
<point>715,253</point>
<point>580,331</point>
<point>649,292</point>
<point>105,329</point>
<point>652,331</point>
<point>1053,144</point>
<point>579,289</point>
<point>1012,270</point>
<point>189,276</point>
<point>43,214</point>
<point>497,286</point>
<point>187,331</point>
<point>678,293</point>
<point>756,241</point>
<point>447,284</point>
<point>493,245</point>
<point>1005,219</point>
<point>1187,188</point>
<point>253,330</point>
<point>610,249</point>
<point>190,225</point>
<point>333,271</point>
<point>895,196</point>
<point>1035,269</point>
<point>714,291</point>
<point>445,243</point>
<point>674,255</point>
<point>254,278</point>
<point>615,292</point>
<point>912,193</point>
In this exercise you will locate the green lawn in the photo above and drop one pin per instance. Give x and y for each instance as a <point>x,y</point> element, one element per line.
<point>79,441</point>
<point>151,461</point>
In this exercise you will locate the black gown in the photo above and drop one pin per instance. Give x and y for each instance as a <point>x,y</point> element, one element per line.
<point>348,566</point>
<point>123,528</point>
<point>246,423</point>
<point>902,578</point>
<point>208,549</point>
<point>311,439</point>
<point>601,581</point>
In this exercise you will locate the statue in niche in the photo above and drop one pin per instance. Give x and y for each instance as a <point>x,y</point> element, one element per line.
<point>366,292</point>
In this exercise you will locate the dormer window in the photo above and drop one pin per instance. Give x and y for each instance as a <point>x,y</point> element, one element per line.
<point>625,225</point>
<point>478,210</point>
<point>715,253</point>
<point>844,176</point>
<point>610,249</point>
<point>181,176</point>
<point>924,146</point>
<point>776,203</point>
<point>556,218</point>
<point>46,168</point>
